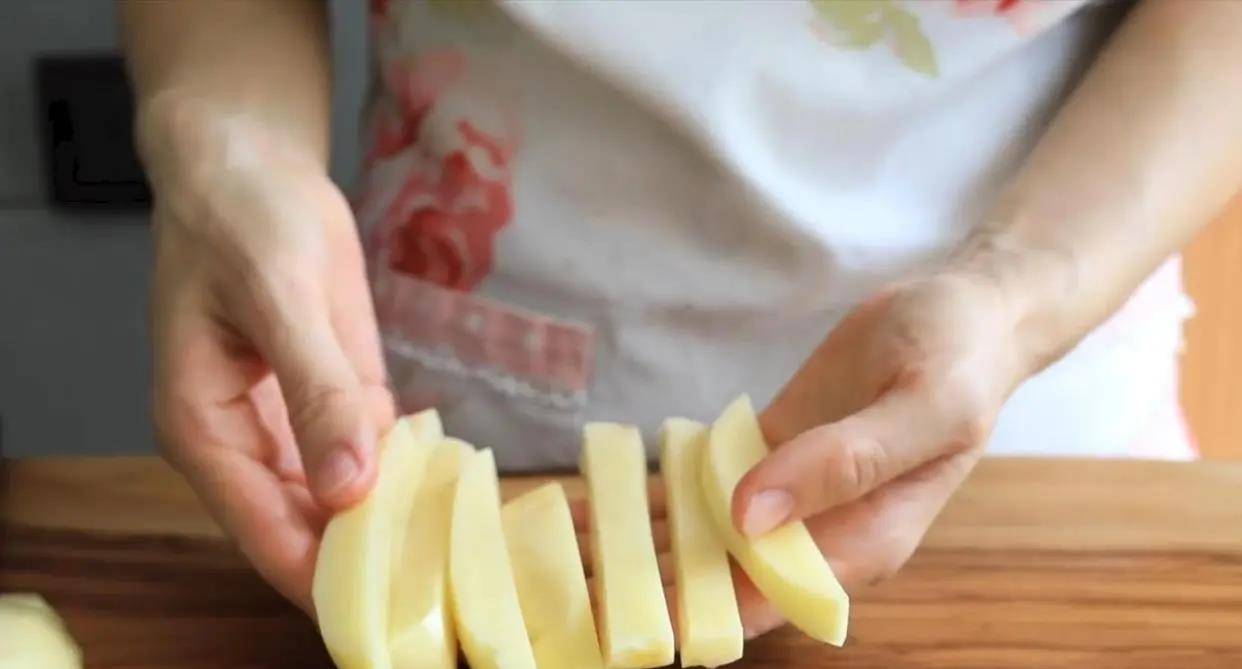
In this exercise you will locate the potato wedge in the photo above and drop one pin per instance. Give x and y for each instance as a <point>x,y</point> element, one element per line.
<point>421,633</point>
<point>551,583</point>
<point>484,595</point>
<point>635,631</point>
<point>708,623</point>
<point>32,635</point>
<point>353,572</point>
<point>784,564</point>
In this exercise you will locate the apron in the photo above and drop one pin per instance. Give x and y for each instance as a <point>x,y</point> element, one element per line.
<point>631,210</point>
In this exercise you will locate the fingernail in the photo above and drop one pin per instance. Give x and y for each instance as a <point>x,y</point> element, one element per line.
<point>767,511</point>
<point>338,470</point>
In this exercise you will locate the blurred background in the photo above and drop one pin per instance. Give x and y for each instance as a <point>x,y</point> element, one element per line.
<point>75,247</point>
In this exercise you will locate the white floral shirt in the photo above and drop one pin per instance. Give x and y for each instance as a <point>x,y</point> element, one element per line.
<point>631,210</point>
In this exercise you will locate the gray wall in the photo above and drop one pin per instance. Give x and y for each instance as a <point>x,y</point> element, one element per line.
<point>74,369</point>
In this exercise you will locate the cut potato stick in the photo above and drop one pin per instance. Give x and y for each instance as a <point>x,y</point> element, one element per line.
<point>708,624</point>
<point>635,631</point>
<point>353,571</point>
<point>785,564</point>
<point>551,585</point>
<point>32,636</point>
<point>421,634</point>
<point>484,595</point>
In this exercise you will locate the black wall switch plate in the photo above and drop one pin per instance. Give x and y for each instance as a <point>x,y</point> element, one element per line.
<point>86,113</point>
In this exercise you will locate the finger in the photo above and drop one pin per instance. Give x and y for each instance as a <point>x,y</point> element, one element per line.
<point>657,501</point>
<point>661,533</point>
<point>869,539</point>
<point>273,418</point>
<point>353,319</point>
<point>585,553</point>
<point>667,566</point>
<point>225,448</point>
<point>840,462</point>
<point>674,605</point>
<point>580,513</point>
<point>758,615</point>
<point>302,501</point>
<point>835,381</point>
<point>265,516</point>
<point>290,325</point>
<point>213,388</point>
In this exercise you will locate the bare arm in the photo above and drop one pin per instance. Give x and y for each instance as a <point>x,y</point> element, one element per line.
<point>265,62</point>
<point>1147,151</point>
<point>891,412</point>
<point>269,385</point>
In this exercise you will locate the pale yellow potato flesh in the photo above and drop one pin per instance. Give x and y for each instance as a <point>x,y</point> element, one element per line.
<point>32,636</point>
<point>551,583</point>
<point>484,596</point>
<point>421,634</point>
<point>353,571</point>
<point>708,623</point>
<point>635,631</point>
<point>785,564</point>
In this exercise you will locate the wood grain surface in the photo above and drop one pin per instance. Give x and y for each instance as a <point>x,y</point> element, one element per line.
<point>1036,563</point>
<point>1212,363</point>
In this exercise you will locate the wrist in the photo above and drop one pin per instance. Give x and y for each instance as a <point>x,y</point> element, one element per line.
<point>187,142</point>
<point>1037,284</point>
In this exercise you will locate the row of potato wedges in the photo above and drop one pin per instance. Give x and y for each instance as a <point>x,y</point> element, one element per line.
<point>431,559</point>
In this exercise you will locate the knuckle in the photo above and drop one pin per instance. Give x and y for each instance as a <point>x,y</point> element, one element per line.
<point>974,412</point>
<point>975,429</point>
<point>913,374</point>
<point>911,357</point>
<point>908,348</point>
<point>856,465</point>
<point>277,296</point>
<point>278,280</point>
<point>317,408</point>
<point>960,401</point>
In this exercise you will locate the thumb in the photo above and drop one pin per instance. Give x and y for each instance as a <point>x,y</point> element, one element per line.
<point>327,406</point>
<point>832,464</point>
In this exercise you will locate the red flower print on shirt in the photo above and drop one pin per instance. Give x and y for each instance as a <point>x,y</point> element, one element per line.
<point>397,124</point>
<point>448,237</point>
<point>995,6</point>
<point>1025,16</point>
<point>455,193</point>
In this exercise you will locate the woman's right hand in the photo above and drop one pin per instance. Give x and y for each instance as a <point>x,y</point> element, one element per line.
<point>269,382</point>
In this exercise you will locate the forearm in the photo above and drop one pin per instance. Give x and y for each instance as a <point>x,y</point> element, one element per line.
<point>200,67</point>
<point>1146,151</point>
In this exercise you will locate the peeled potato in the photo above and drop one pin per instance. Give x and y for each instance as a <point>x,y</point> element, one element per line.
<point>33,636</point>
<point>635,631</point>
<point>784,564</point>
<point>353,572</point>
<point>708,621</point>
<point>484,596</point>
<point>420,622</point>
<point>551,584</point>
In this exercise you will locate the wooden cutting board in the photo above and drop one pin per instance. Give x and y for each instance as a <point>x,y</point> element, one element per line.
<point>1036,563</point>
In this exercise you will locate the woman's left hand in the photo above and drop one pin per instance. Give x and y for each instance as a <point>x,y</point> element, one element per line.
<point>880,425</point>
